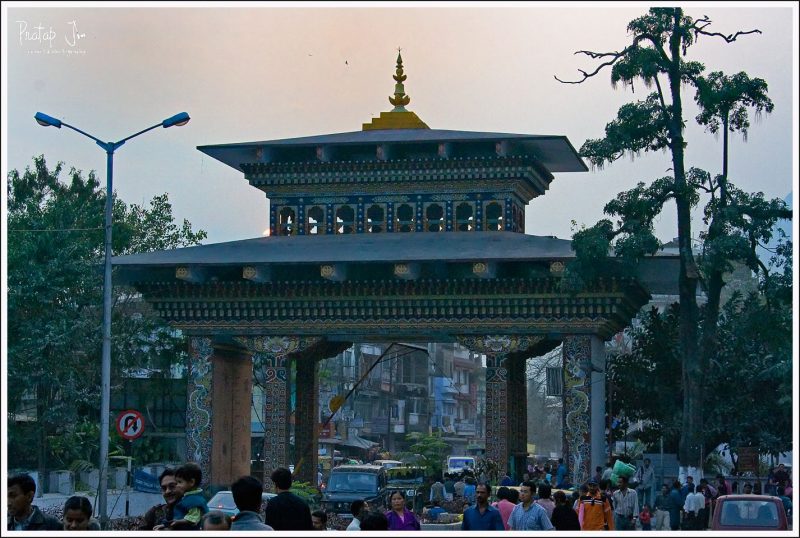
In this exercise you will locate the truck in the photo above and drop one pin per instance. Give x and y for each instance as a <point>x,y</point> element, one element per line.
<point>349,483</point>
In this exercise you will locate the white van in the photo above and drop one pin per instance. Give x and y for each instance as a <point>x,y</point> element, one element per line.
<point>457,464</point>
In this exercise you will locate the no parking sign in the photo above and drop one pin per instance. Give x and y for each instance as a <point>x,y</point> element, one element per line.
<point>130,424</point>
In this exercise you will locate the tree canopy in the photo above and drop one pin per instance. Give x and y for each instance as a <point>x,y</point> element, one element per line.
<point>738,221</point>
<point>749,380</point>
<point>55,281</point>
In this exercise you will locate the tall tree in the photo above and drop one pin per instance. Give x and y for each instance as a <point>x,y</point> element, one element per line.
<point>737,221</point>
<point>55,252</point>
<point>660,40</point>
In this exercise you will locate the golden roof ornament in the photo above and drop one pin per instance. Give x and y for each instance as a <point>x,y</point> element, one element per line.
<point>400,99</point>
<point>398,117</point>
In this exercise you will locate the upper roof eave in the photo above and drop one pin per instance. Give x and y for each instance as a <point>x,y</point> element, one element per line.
<point>361,248</point>
<point>555,152</point>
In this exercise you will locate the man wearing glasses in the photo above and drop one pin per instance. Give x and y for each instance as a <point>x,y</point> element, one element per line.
<point>161,514</point>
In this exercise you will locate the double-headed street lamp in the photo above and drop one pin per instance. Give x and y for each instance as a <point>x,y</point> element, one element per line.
<point>105,388</point>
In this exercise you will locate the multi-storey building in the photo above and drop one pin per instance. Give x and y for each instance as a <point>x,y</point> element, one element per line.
<point>402,389</point>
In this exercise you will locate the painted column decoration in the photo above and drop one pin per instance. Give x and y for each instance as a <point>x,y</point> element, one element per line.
<point>518,412</point>
<point>496,349</point>
<point>306,421</point>
<point>271,368</point>
<point>198,408</point>
<point>577,355</point>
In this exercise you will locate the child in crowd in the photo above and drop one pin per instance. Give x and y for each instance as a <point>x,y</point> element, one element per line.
<point>644,517</point>
<point>192,506</point>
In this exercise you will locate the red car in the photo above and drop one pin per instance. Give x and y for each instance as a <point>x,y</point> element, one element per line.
<point>749,512</point>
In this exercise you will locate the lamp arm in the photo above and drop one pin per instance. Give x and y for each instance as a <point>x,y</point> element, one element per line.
<point>137,134</point>
<point>84,133</point>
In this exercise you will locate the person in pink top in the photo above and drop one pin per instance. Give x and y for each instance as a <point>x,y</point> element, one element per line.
<point>504,505</point>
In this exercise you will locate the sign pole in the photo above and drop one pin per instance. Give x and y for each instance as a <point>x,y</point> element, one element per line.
<point>128,480</point>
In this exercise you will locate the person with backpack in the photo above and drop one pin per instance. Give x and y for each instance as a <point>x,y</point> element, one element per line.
<point>594,510</point>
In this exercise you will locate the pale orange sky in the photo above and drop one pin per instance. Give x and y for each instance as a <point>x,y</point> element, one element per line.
<point>262,73</point>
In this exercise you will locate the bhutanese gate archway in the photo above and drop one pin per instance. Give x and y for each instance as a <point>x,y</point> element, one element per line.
<point>397,232</point>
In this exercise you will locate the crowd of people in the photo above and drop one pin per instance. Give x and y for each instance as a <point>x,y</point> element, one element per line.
<point>533,505</point>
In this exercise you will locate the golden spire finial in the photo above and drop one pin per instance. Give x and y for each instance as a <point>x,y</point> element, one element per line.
<point>399,117</point>
<point>400,99</point>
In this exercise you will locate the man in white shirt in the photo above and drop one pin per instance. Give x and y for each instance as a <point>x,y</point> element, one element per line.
<point>695,501</point>
<point>626,506</point>
<point>358,509</point>
<point>645,476</point>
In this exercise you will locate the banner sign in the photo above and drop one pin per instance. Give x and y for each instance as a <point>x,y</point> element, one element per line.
<point>144,481</point>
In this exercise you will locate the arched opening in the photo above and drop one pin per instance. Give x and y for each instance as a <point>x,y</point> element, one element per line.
<point>315,220</point>
<point>286,221</point>
<point>405,218</point>
<point>465,219</point>
<point>376,219</point>
<point>434,218</point>
<point>345,220</point>
<point>494,216</point>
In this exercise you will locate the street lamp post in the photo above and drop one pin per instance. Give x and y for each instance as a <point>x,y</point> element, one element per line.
<point>105,383</point>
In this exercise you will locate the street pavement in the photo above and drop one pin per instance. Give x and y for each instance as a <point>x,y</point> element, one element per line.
<point>139,502</point>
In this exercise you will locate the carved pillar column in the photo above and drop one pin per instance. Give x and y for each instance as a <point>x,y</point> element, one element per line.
<point>271,362</point>
<point>518,411</point>
<point>306,418</point>
<point>218,411</point>
<point>198,405</point>
<point>497,410</point>
<point>232,393</point>
<point>496,349</point>
<point>577,356</point>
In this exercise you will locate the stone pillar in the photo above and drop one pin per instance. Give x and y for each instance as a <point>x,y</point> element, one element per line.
<point>497,411</point>
<point>218,411</point>
<point>275,413</point>
<point>518,414</point>
<point>577,447</point>
<point>306,420</point>
<point>598,403</point>
<point>198,405</point>
<point>271,359</point>
<point>232,392</point>
<point>499,435</point>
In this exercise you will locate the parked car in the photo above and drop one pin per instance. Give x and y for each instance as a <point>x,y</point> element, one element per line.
<point>223,501</point>
<point>749,512</point>
<point>348,483</point>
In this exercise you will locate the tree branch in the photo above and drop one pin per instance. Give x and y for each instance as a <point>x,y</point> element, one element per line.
<point>615,56</point>
<point>701,24</point>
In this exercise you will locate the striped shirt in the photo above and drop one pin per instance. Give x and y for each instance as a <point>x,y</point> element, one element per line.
<point>533,519</point>
<point>626,503</point>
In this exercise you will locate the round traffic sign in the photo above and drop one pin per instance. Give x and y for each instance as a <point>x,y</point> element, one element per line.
<point>130,424</point>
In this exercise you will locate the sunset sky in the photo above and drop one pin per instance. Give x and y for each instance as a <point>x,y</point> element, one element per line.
<point>254,72</point>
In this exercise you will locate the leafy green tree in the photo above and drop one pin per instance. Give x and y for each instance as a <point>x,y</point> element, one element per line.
<point>431,447</point>
<point>656,56</point>
<point>737,221</point>
<point>55,253</point>
<point>749,380</point>
<point>646,382</point>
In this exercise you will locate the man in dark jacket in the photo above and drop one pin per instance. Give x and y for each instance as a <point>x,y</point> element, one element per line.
<point>22,514</point>
<point>286,511</point>
<point>161,514</point>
